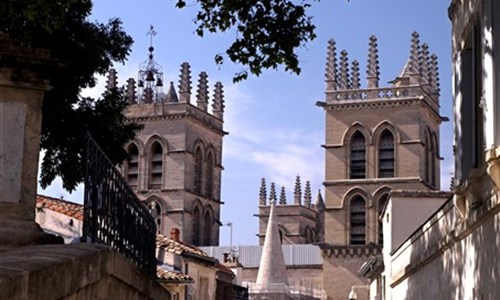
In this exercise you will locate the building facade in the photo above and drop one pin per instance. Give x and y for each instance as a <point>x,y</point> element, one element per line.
<point>458,245</point>
<point>378,139</point>
<point>175,161</point>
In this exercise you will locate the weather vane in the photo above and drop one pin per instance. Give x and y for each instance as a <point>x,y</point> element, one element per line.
<point>150,77</point>
<point>151,33</point>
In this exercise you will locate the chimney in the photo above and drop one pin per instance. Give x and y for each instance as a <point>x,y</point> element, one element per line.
<point>174,234</point>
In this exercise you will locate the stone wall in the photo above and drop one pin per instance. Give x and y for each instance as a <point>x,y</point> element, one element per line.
<point>340,274</point>
<point>81,271</point>
<point>459,254</point>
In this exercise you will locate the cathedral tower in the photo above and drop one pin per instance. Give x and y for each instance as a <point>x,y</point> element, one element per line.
<point>378,139</point>
<point>300,222</point>
<point>175,161</point>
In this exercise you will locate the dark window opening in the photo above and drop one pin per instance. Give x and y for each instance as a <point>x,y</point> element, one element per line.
<point>381,205</point>
<point>198,165</point>
<point>358,156</point>
<point>386,155</point>
<point>196,226</point>
<point>156,166</point>
<point>358,221</point>
<point>133,166</point>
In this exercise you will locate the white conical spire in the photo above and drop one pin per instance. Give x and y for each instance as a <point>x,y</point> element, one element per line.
<point>272,268</point>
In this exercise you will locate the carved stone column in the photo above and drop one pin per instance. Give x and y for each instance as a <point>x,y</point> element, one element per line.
<point>22,86</point>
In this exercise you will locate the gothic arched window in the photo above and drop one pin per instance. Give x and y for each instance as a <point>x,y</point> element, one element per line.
<point>358,156</point>
<point>313,236</point>
<point>358,221</point>
<point>207,229</point>
<point>381,205</point>
<point>308,235</point>
<point>155,211</point>
<point>434,156</point>
<point>386,155</point>
<point>196,226</point>
<point>156,165</point>
<point>428,157</point>
<point>133,165</point>
<point>198,166</point>
<point>209,174</point>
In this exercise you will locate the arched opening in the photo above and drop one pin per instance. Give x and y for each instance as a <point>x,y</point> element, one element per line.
<point>433,161</point>
<point>386,155</point>
<point>198,166</point>
<point>156,166</point>
<point>381,205</point>
<point>133,166</point>
<point>155,211</point>
<point>209,174</point>
<point>308,235</point>
<point>313,236</point>
<point>358,156</point>
<point>196,226</point>
<point>207,228</point>
<point>428,156</point>
<point>358,221</point>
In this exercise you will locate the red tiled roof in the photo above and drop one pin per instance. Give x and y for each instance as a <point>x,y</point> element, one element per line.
<point>180,248</point>
<point>70,209</point>
<point>174,276</point>
<point>224,269</point>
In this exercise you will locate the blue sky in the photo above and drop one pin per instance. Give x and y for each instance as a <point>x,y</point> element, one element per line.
<point>275,129</point>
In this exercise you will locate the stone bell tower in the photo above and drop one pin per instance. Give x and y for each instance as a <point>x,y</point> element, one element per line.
<point>175,162</point>
<point>378,139</point>
<point>300,222</point>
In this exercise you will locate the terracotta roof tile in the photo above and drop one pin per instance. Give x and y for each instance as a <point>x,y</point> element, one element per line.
<point>71,209</point>
<point>175,276</point>
<point>225,269</point>
<point>179,248</point>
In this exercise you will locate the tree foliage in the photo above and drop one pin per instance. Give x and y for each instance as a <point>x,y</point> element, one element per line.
<point>269,32</point>
<point>83,49</point>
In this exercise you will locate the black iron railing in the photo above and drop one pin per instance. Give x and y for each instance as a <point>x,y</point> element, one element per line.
<point>227,290</point>
<point>113,215</point>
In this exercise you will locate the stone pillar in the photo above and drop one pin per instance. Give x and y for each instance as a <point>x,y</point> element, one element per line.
<point>22,86</point>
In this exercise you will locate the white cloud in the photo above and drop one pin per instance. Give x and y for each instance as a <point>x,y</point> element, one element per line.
<point>277,153</point>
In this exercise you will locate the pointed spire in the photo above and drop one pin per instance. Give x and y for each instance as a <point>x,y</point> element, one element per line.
<point>171,94</point>
<point>414,51</point>
<point>372,70</point>
<point>355,75</point>
<point>272,267</point>
<point>282,196</point>
<point>218,105</point>
<point>413,66</point>
<point>331,66</point>
<point>131,91</point>
<point>185,83</point>
<point>410,74</point>
<point>434,73</point>
<point>297,193</point>
<point>307,194</point>
<point>423,62</point>
<point>272,194</point>
<point>344,83</point>
<point>202,96</point>
<point>262,192</point>
<point>112,81</point>
<point>319,204</point>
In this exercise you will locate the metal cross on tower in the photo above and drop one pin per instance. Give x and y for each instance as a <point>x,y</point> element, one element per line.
<point>150,81</point>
